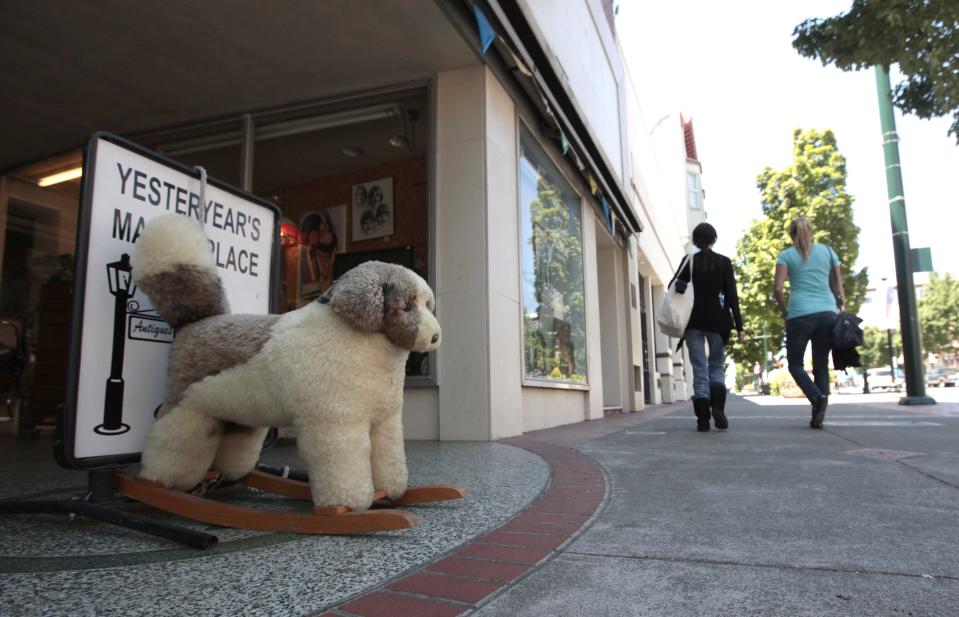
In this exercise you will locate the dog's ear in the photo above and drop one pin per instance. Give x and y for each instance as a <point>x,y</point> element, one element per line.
<point>360,296</point>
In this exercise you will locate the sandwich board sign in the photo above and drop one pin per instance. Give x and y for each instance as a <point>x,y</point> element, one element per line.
<point>118,345</point>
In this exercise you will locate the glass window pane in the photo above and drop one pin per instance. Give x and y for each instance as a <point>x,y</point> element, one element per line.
<point>554,307</point>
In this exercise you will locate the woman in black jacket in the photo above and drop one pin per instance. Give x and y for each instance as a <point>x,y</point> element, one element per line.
<point>715,313</point>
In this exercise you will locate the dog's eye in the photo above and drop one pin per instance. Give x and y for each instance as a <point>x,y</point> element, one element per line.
<point>409,306</point>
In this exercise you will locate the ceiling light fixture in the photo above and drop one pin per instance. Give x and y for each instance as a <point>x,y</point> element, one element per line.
<point>63,176</point>
<point>285,128</point>
<point>353,152</point>
<point>408,138</point>
<point>399,141</point>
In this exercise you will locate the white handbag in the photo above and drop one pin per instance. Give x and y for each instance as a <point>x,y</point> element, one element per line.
<point>674,313</point>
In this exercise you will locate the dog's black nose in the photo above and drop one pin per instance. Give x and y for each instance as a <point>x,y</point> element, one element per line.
<point>435,338</point>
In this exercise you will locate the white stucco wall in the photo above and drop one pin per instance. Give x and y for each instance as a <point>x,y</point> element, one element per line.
<point>421,413</point>
<point>578,40</point>
<point>657,183</point>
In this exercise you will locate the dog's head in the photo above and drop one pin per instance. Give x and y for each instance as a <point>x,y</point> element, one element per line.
<point>387,298</point>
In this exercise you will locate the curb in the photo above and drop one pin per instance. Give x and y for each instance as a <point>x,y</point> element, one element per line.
<point>480,570</point>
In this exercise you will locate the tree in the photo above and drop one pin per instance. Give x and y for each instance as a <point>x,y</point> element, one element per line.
<point>814,186</point>
<point>921,36</point>
<point>874,351</point>
<point>938,311</point>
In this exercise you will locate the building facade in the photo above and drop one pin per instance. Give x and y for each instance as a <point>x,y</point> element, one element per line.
<point>497,148</point>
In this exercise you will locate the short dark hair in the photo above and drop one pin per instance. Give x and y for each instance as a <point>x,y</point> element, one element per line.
<point>704,235</point>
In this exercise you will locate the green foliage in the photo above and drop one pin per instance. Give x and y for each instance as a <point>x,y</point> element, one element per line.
<point>939,314</point>
<point>921,36</point>
<point>874,351</point>
<point>744,377</point>
<point>781,383</point>
<point>813,185</point>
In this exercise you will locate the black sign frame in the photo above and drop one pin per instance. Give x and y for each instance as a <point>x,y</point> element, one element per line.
<point>65,438</point>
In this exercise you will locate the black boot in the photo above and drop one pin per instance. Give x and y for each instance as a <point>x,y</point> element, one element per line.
<point>701,407</point>
<point>717,404</point>
<point>819,412</point>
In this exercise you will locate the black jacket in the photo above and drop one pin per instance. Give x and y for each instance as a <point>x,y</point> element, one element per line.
<point>715,299</point>
<point>846,336</point>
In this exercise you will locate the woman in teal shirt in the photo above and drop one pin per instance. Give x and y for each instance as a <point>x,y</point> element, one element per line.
<point>812,270</point>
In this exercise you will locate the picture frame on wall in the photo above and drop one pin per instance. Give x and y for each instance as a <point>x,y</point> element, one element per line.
<point>372,209</point>
<point>321,241</point>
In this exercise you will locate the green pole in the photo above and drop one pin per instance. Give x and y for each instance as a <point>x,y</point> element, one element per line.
<point>909,326</point>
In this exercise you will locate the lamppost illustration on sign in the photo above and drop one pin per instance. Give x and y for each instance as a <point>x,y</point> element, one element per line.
<point>120,277</point>
<point>142,327</point>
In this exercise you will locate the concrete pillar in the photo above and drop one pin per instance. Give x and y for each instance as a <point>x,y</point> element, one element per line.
<point>505,368</point>
<point>594,344</point>
<point>616,359</point>
<point>460,260</point>
<point>477,258</point>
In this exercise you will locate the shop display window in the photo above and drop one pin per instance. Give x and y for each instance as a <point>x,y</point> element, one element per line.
<point>352,183</point>
<point>39,205</point>
<point>554,322</point>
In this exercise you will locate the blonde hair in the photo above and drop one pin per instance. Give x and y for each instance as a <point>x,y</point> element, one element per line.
<point>801,232</point>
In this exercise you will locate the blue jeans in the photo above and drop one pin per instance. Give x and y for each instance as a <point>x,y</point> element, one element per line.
<point>706,369</point>
<point>817,328</point>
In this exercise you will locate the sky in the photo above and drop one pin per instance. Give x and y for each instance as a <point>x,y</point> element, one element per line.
<point>730,66</point>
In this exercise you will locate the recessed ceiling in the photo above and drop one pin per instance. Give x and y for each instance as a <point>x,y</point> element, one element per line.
<point>72,68</point>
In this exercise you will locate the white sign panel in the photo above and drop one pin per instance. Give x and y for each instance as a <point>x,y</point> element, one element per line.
<point>122,361</point>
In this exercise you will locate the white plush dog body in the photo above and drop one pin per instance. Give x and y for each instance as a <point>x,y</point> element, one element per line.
<point>334,369</point>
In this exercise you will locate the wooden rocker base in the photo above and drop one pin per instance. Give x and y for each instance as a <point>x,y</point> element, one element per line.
<point>296,489</point>
<point>339,520</point>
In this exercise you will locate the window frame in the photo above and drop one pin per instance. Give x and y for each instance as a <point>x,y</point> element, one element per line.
<point>696,204</point>
<point>522,126</point>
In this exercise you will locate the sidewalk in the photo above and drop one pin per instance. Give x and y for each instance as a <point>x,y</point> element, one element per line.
<point>631,515</point>
<point>770,518</point>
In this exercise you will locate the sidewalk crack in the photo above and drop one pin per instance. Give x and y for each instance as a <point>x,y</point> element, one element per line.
<point>771,566</point>
<point>899,462</point>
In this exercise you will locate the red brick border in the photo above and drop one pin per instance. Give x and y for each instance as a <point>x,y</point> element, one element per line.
<point>459,583</point>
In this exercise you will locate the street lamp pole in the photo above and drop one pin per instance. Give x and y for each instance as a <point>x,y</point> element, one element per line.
<point>911,346</point>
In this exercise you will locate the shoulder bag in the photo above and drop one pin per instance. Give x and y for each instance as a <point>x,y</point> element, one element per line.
<point>676,309</point>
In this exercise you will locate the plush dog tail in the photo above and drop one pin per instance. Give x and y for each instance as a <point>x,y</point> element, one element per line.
<point>174,266</point>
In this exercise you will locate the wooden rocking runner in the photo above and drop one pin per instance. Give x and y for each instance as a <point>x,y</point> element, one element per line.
<point>335,520</point>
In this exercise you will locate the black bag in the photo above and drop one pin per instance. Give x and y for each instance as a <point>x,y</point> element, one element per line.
<point>846,333</point>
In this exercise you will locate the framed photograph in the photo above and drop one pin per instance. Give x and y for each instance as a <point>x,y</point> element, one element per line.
<point>321,241</point>
<point>372,209</point>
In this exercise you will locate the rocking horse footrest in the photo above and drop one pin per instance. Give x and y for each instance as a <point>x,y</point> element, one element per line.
<point>339,520</point>
<point>296,489</point>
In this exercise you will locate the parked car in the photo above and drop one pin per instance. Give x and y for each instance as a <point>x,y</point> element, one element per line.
<point>848,379</point>
<point>941,376</point>
<point>884,379</point>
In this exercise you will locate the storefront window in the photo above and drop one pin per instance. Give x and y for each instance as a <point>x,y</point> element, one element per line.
<point>351,181</point>
<point>554,322</point>
<point>39,205</point>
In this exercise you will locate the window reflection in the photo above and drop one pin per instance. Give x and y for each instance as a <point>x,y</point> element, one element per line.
<point>554,323</point>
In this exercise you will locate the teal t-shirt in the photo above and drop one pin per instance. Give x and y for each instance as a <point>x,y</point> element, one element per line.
<point>809,290</point>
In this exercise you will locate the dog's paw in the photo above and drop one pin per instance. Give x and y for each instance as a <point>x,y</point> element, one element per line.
<point>358,503</point>
<point>396,488</point>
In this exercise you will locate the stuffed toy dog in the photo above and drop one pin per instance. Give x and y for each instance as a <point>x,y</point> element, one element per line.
<point>334,369</point>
